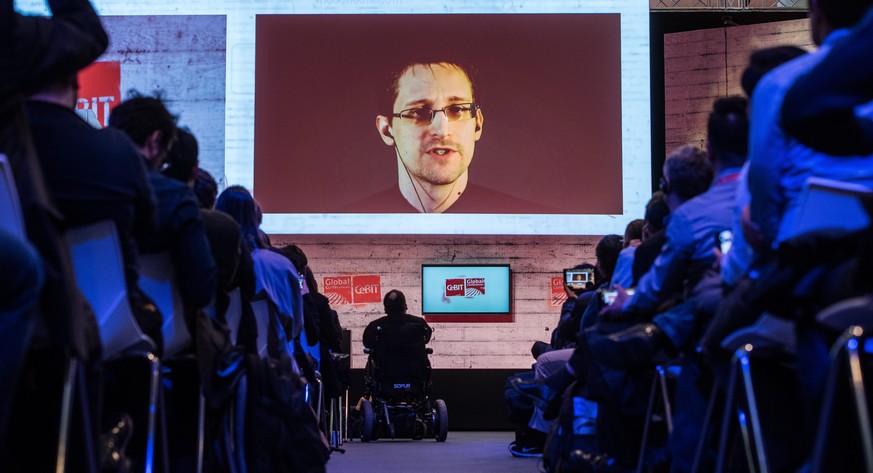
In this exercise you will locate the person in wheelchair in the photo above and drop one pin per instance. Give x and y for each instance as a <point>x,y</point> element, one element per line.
<point>396,400</point>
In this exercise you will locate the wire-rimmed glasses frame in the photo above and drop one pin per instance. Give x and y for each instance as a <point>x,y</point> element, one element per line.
<point>424,116</point>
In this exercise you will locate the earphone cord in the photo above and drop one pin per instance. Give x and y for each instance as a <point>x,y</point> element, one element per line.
<point>413,181</point>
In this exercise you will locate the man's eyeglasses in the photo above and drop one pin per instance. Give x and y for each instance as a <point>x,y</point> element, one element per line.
<point>424,116</point>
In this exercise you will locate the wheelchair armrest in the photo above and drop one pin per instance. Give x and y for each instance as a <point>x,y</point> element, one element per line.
<point>429,351</point>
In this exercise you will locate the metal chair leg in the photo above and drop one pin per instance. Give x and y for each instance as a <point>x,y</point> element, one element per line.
<point>66,414</point>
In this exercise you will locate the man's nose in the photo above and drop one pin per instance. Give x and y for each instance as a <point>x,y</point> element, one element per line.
<point>440,123</point>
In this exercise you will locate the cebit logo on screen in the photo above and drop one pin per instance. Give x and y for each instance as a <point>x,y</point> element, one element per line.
<point>465,287</point>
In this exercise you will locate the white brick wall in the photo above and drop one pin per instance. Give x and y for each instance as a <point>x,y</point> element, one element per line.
<point>397,259</point>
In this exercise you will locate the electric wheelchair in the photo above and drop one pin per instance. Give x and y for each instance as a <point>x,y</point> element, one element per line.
<point>396,402</point>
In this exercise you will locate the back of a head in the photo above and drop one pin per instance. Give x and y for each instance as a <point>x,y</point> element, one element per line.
<point>238,202</point>
<point>182,159</point>
<point>296,256</point>
<point>728,131</point>
<point>141,116</point>
<point>763,61</point>
<point>607,251</point>
<point>205,188</point>
<point>657,211</point>
<point>633,231</point>
<point>842,13</point>
<point>394,302</point>
<point>689,170</point>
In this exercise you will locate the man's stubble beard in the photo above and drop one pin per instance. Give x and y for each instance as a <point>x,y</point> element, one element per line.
<point>436,172</point>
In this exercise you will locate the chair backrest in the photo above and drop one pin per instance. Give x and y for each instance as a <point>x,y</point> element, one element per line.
<point>828,204</point>
<point>314,351</point>
<point>402,366</point>
<point>157,278</point>
<point>99,269</point>
<point>767,333</point>
<point>233,314</point>
<point>11,220</point>
<point>844,314</point>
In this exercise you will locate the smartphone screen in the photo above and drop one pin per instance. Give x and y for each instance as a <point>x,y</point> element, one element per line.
<point>609,296</point>
<point>577,278</point>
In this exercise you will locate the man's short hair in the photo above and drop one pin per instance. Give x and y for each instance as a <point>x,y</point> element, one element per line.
<point>657,211</point>
<point>140,116</point>
<point>765,60</point>
<point>205,188</point>
<point>607,251</point>
<point>689,171</point>
<point>394,302</point>
<point>182,158</point>
<point>728,130</point>
<point>296,256</point>
<point>392,89</point>
<point>843,13</point>
<point>633,231</point>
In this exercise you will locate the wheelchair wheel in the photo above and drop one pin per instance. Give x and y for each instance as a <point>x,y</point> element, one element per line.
<point>368,421</point>
<point>441,421</point>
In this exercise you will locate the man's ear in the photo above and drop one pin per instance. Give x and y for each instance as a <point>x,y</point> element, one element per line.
<point>479,119</point>
<point>384,127</point>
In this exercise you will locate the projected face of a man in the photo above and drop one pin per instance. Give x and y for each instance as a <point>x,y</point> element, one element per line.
<point>439,153</point>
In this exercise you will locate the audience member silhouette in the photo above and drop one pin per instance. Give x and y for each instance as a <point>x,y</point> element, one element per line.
<point>35,50</point>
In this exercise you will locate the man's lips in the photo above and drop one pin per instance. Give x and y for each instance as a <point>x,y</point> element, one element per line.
<point>439,151</point>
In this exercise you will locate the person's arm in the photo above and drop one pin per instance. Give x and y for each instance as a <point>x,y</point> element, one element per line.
<point>819,109</point>
<point>39,48</point>
<point>667,274</point>
<point>766,158</point>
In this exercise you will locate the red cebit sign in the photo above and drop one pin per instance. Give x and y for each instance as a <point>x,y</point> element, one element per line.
<point>557,295</point>
<point>353,289</point>
<point>367,289</point>
<point>100,89</point>
<point>465,287</point>
<point>454,287</point>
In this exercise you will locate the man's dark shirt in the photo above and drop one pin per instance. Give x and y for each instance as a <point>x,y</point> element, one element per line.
<point>404,328</point>
<point>646,254</point>
<point>93,175</point>
<point>181,232</point>
<point>34,50</point>
<point>474,200</point>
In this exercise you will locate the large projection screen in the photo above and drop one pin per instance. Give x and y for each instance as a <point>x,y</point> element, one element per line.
<point>565,93</point>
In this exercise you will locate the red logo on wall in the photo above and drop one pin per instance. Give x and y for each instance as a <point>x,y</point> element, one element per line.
<point>353,289</point>
<point>367,289</point>
<point>454,287</point>
<point>338,289</point>
<point>467,287</point>
<point>475,287</point>
<point>557,295</point>
<point>100,89</point>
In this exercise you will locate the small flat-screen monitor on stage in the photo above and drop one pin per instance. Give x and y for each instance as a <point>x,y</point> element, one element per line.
<point>479,289</point>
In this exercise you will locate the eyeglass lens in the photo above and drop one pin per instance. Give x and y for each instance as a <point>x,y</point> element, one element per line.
<point>424,116</point>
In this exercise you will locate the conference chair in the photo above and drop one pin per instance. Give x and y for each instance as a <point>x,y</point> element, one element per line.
<point>99,270</point>
<point>659,407</point>
<point>158,281</point>
<point>74,392</point>
<point>846,403</point>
